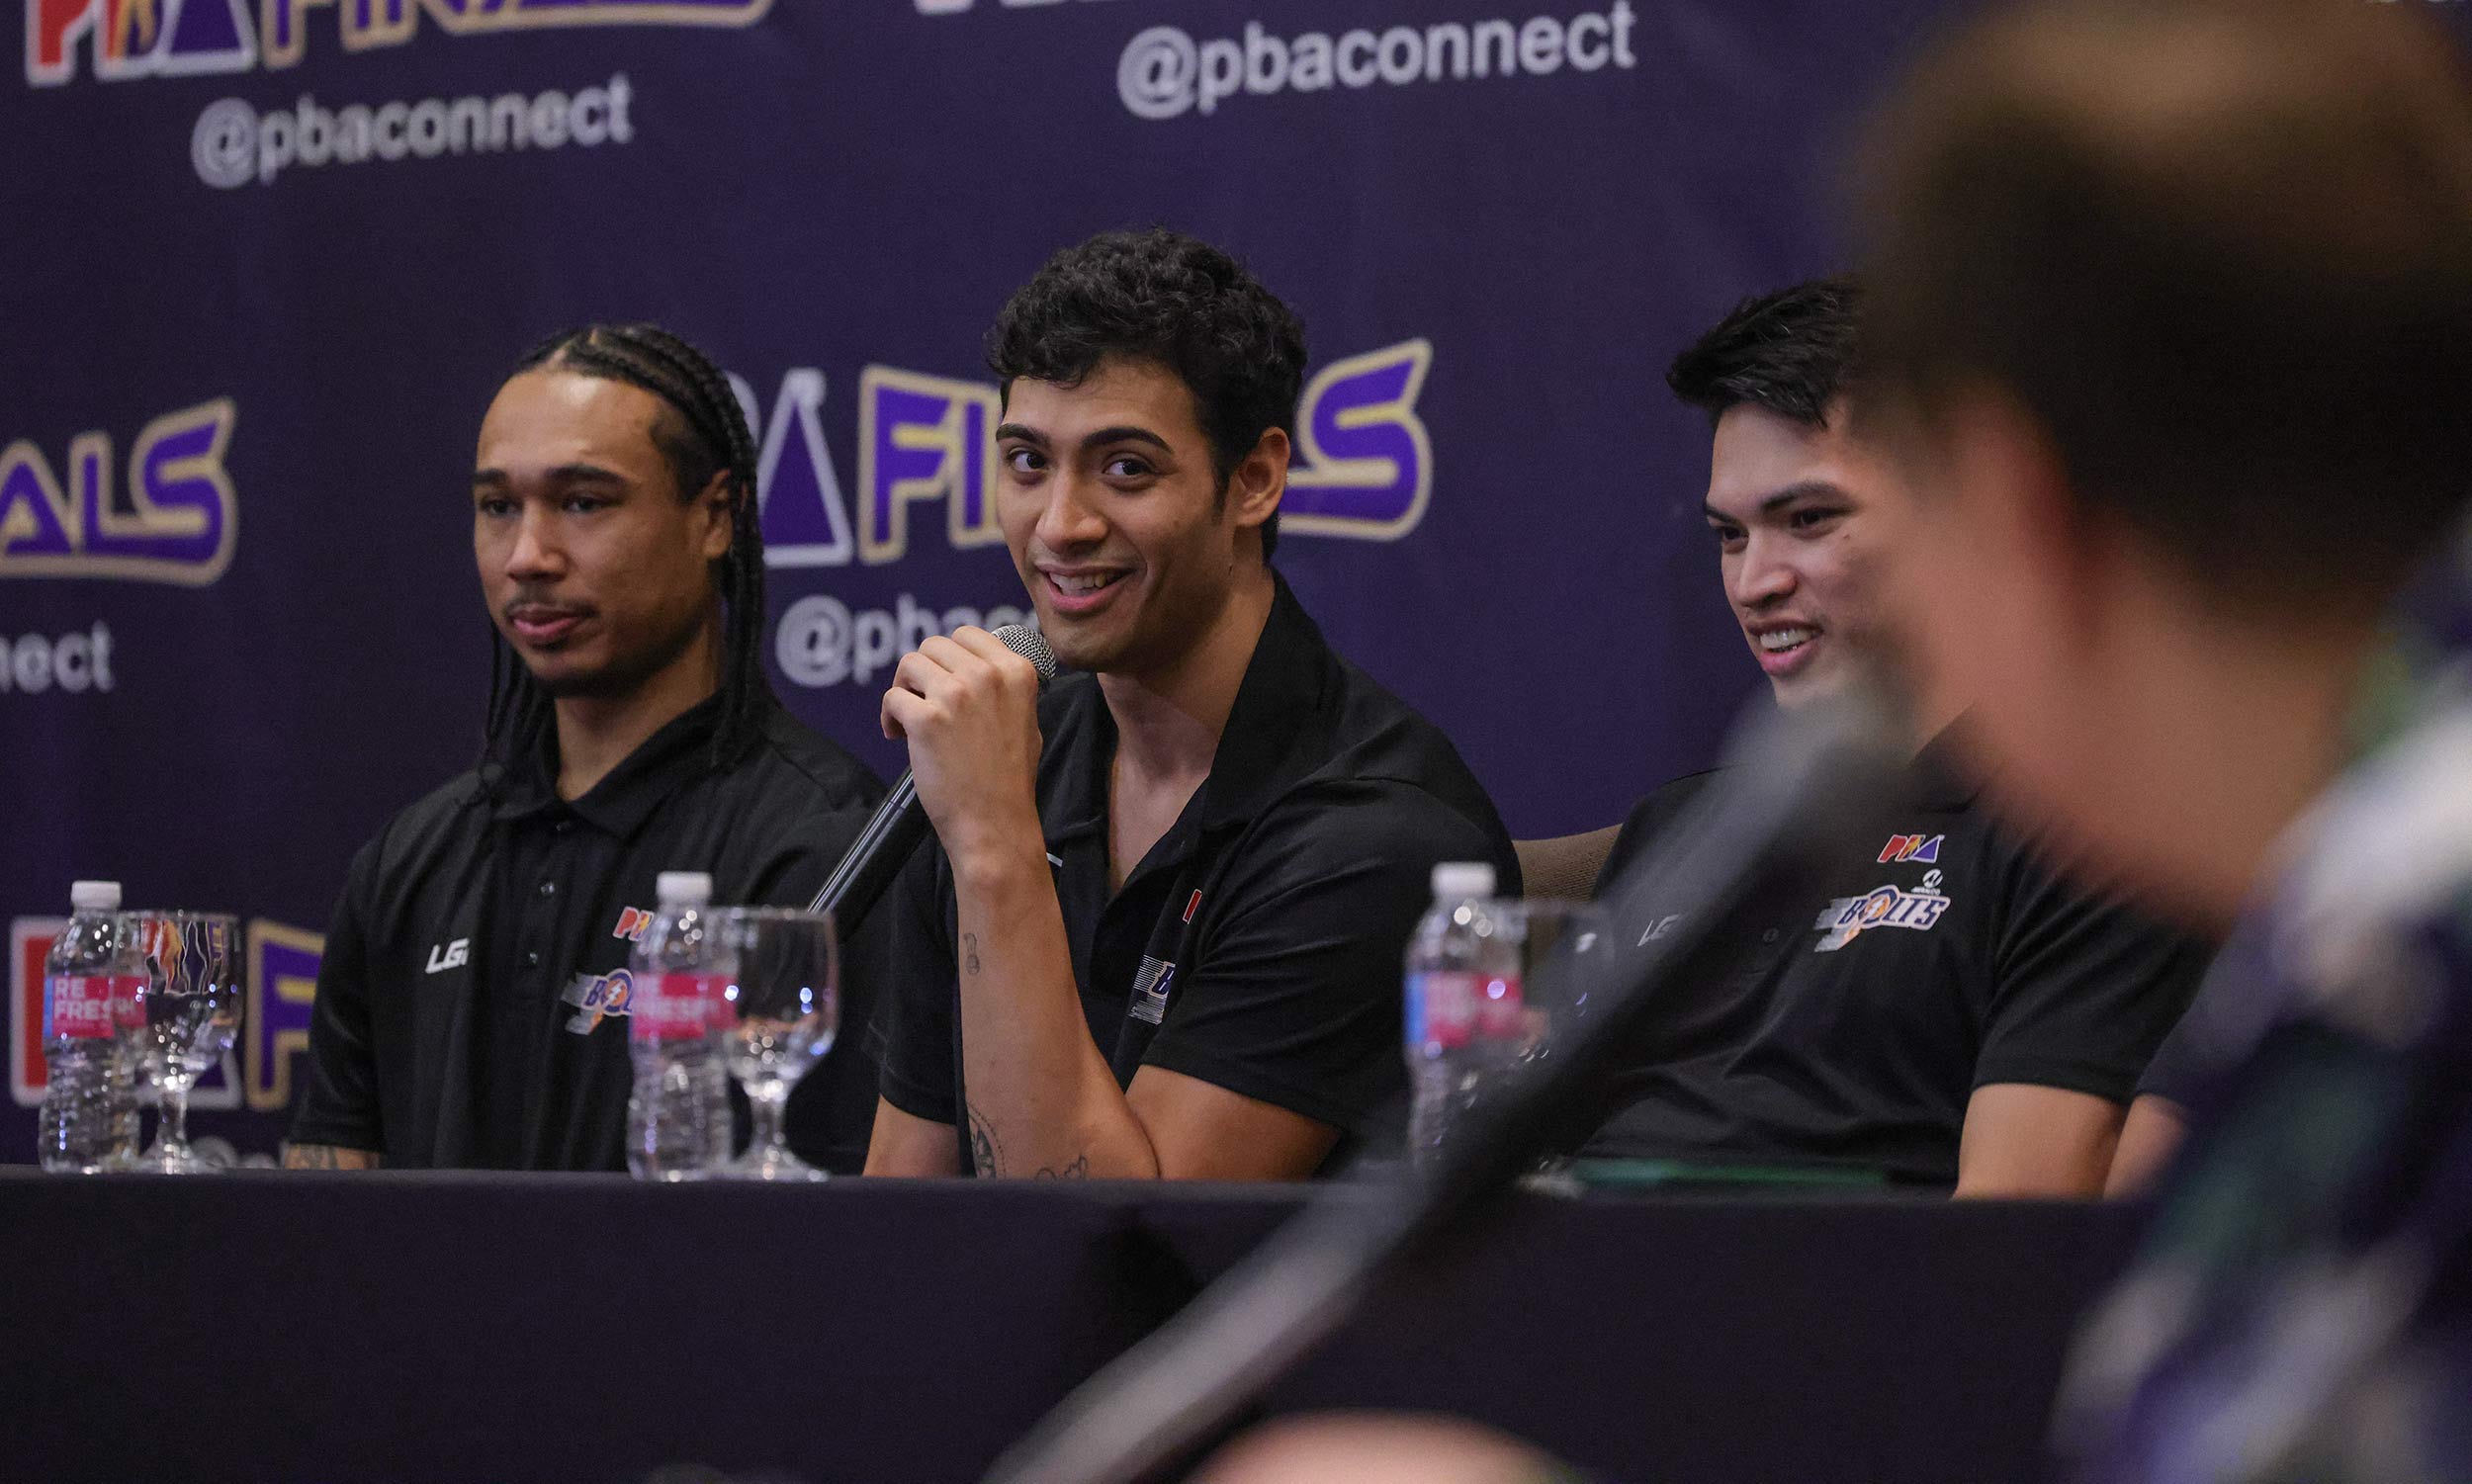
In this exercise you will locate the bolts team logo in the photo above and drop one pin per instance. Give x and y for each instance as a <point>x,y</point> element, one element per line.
<point>1846,918</point>
<point>597,996</point>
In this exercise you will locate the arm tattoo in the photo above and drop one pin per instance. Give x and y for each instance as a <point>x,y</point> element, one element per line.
<point>982,1145</point>
<point>330,1157</point>
<point>983,1153</point>
<point>970,952</point>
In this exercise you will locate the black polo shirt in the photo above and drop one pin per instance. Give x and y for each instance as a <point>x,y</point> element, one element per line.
<point>1257,947</point>
<point>472,1003</point>
<point>1853,1025</point>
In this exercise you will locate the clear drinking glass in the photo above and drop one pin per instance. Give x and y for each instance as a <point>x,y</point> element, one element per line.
<point>1562,946</point>
<point>775,1021</point>
<point>184,1016</point>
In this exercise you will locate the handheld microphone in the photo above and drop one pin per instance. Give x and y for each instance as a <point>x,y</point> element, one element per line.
<point>899,824</point>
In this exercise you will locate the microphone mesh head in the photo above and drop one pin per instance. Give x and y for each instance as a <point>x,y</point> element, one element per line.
<point>1028,643</point>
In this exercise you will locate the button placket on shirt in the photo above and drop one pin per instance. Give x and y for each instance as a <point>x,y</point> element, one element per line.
<point>540,917</point>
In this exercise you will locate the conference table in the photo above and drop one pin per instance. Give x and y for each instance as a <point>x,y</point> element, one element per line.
<point>277,1326</point>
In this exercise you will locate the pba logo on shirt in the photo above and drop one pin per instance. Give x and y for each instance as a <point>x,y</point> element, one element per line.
<point>1902,847</point>
<point>631,920</point>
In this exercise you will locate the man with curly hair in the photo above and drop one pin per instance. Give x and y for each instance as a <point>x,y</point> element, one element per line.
<point>1159,935</point>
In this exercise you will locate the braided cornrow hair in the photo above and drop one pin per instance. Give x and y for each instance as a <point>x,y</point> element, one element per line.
<point>708,435</point>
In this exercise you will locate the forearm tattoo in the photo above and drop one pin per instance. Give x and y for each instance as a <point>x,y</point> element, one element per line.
<point>982,1144</point>
<point>970,952</point>
<point>985,1160</point>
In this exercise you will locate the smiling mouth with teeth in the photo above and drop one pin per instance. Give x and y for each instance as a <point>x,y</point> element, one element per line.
<point>1779,640</point>
<point>1079,585</point>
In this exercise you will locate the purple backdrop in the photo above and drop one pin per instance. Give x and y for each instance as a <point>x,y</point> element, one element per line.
<point>268,261</point>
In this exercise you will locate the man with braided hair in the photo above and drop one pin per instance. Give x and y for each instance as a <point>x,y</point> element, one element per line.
<point>471,1008</point>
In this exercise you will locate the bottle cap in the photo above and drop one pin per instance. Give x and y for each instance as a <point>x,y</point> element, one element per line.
<point>1457,879</point>
<point>94,895</point>
<point>683,888</point>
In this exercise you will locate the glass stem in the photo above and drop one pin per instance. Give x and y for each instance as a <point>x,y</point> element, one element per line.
<point>766,1108</point>
<point>174,1105</point>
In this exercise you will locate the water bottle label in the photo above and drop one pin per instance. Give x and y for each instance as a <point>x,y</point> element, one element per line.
<point>1441,1009</point>
<point>129,1003</point>
<point>1451,1010</point>
<point>87,1007</point>
<point>1501,1014</point>
<point>677,1007</point>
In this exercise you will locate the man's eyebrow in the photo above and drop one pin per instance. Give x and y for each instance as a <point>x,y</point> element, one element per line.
<point>1021,432</point>
<point>564,473</point>
<point>585,474</point>
<point>1807,490</point>
<point>1126,434</point>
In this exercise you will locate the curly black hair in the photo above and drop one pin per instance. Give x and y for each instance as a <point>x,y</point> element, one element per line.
<point>1161,295</point>
<point>1791,352</point>
<point>702,433</point>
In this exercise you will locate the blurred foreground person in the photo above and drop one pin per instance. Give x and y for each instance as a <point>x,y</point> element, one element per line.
<point>473,1004</point>
<point>2175,300</point>
<point>2174,303</point>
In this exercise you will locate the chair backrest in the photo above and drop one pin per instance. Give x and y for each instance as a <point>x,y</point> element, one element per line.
<point>1565,866</point>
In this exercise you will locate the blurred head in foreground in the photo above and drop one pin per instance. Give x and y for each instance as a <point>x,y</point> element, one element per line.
<point>2171,310</point>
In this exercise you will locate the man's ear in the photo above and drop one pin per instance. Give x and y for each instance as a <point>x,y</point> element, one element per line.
<point>713,505</point>
<point>1260,482</point>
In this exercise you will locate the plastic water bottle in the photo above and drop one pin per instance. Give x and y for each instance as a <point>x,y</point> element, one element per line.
<point>679,1114</point>
<point>1465,1022</point>
<point>89,1116</point>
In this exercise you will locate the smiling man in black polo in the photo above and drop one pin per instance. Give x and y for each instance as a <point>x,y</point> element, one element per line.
<point>1948,1009</point>
<point>472,1004</point>
<point>1160,933</point>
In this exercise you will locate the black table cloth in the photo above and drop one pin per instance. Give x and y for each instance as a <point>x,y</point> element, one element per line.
<point>481,1327</point>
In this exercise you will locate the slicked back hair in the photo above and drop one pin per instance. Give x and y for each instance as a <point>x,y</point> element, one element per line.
<point>702,432</point>
<point>1791,352</point>
<point>1161,295</point>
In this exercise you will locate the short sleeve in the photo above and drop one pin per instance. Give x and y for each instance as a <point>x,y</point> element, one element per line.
<point>907,937</point>
<point>339,1101</point>
<point>1295,998</point>
<point>2085,989</point>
